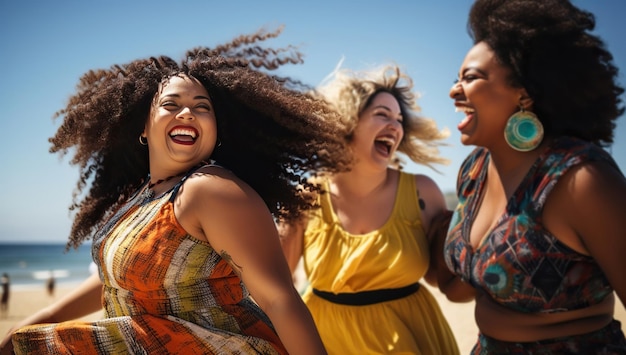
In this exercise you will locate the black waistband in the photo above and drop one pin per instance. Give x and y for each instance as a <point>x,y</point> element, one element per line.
<point>368,297</point>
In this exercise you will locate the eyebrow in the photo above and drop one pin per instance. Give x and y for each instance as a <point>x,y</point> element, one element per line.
<point>198,97</point>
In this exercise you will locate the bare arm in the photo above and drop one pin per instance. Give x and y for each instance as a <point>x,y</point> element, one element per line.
<point>291,240</point>
<point>236,222</point>
<point>590,201</point>
<point>435,220</point>
<point>80,302</point>
<point>436,217</point>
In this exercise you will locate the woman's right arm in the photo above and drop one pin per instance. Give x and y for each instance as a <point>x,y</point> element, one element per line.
<point>291,240</point>
<point>80,302</point>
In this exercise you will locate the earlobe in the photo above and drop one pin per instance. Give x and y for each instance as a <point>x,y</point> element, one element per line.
<point>525,101</point>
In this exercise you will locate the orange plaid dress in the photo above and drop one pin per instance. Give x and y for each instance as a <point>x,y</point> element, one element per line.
<point>165,292</point>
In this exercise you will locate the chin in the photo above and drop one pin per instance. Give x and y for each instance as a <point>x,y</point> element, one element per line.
<point>466,140</point>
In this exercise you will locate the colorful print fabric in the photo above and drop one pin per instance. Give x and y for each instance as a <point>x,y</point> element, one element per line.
<point>520,264</point>
<point>165,292</point>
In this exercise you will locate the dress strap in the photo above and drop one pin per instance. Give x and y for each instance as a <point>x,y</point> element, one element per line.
<point>188,174</point>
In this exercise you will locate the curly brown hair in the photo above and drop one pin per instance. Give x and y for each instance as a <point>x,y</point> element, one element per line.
<point>566,70</point>
<point>271,133</point>
<point>351,92</point>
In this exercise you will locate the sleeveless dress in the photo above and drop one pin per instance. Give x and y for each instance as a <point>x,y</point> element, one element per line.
<point>520,264</point>
<point>394,256</point>
<point>165,292</point>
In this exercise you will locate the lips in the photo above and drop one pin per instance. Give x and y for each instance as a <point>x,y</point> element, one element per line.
<point>183,135</point>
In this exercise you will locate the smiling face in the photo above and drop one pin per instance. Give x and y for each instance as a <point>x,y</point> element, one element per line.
<point>182,128</point>
<point>379,131</point>
<point>484,94</point>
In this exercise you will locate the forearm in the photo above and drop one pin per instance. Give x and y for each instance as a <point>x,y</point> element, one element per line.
<point>457,290</point>
<point>82,301</point>
<point>295,326</point>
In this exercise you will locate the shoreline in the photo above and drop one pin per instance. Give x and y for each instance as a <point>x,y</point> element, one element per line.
<point>24,300</point>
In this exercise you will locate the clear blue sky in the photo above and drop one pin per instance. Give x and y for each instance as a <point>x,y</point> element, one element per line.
<point>48,45</point>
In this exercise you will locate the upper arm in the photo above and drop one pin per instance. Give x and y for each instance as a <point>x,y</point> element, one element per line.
<point>433,211</point>
<point>592,199</point>
<point>432,197</point>
<point>236,222</point>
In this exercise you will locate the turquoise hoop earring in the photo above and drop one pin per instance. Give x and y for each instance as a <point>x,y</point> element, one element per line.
<point>523,131</point>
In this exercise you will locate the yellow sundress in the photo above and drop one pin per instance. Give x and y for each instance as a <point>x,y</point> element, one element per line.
<point>392,257</point>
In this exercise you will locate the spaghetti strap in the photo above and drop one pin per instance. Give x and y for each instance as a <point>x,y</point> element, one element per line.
<point>188,174</point>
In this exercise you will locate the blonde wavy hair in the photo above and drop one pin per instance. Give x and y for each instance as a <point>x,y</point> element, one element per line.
<point>350,92</point>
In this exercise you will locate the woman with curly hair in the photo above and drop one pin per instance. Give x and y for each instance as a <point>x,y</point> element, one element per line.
<point>538,238</point>
<point>367,248</point>
<point>186,163</point>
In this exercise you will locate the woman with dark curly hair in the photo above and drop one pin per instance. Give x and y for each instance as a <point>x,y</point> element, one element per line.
<point>538,238</point>
<point>186,163</point>
<point>367,249</point>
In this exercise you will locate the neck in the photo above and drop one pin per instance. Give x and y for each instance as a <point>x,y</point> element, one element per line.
<point>359,182</point>
<point>509,167</point>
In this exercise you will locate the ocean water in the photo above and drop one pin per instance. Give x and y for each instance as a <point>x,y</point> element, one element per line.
<point>30,265</point>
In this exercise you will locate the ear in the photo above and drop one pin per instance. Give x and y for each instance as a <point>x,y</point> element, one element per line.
<point>525,101</point>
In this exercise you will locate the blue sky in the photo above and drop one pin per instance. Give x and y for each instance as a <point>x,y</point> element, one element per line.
<point>48,45</point>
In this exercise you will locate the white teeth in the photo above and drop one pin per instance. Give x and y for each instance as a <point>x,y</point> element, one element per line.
<point>386,140</point>
<point>183,132</point>
<point>464,109</point>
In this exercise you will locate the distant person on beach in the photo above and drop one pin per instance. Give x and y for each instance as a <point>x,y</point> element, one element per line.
<point>367,249</point>
<point>5,282</point>
<point>50,284</point>
<point>539,235</point>
<point>188,164</point>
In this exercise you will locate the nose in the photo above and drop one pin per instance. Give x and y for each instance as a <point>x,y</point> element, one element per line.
<point>455,90</point>
<point>395,125</point>
<point>185,113</point>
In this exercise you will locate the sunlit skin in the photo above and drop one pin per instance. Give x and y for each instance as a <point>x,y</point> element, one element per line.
<point>379,132</point>
<point>181,133</point>
<point>487,98</point>
<point>485,95</point>
<point>181,126</point>
<point>363,197</point>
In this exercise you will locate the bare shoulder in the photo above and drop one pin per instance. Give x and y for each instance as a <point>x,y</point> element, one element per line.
<point>586,206</point>
<point>429,191</point>
<point>595,184</point>
<point>431,199</point>
<point>217,184</point>
<point>212,199</point>
<point>426,183</point>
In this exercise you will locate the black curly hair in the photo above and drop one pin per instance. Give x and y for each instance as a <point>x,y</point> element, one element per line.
<point>272,134</point>
<point>566,70</point>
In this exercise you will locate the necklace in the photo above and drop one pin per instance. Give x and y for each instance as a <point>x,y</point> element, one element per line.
<point>148,193</point>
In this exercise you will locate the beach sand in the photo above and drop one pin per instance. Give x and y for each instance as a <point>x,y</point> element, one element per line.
<point>22,303</point>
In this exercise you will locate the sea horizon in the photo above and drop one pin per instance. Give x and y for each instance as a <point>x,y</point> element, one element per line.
<point>30,264</point>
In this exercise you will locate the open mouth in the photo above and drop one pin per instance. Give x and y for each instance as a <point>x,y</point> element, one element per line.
<point>384,145</point>
<point>467,110</point>
<point>184,135</point>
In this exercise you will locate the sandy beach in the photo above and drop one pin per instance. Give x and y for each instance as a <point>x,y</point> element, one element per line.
<point>24,302</point>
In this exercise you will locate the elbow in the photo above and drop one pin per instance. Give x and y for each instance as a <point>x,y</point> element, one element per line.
<point>458,291</point>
